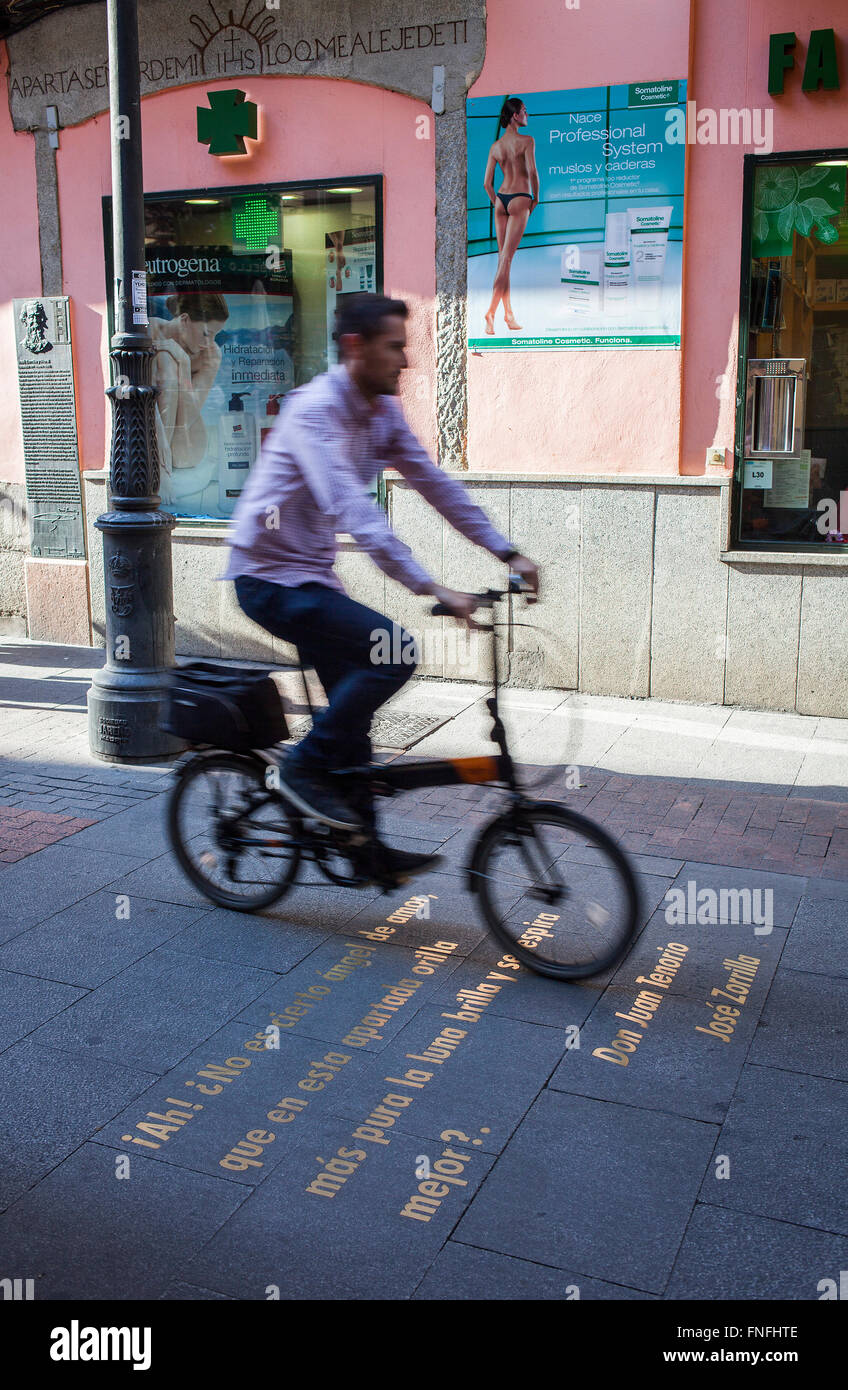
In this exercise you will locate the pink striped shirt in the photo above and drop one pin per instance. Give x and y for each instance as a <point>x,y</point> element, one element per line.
<point>311,482</point>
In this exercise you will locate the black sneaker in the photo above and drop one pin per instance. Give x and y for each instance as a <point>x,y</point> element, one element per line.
<point>400,865</point>
<point>314,796</point>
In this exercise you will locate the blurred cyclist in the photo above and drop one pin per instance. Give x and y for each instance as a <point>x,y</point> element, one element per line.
<point>311,482</point>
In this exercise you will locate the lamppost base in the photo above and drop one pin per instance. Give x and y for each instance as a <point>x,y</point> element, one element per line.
<point>126,709</point>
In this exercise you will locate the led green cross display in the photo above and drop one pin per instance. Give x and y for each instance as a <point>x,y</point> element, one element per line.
<point>256,222</point>
<point>224,127</point>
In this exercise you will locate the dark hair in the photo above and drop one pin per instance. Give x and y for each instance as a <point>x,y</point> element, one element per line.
<point>510,108</point>
<point>200,307</point>
<point>363,314</point>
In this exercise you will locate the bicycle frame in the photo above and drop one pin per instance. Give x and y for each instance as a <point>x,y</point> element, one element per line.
<point>445,772</point>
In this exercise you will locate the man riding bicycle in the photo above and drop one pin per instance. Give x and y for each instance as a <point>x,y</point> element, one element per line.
<point>311,481</point>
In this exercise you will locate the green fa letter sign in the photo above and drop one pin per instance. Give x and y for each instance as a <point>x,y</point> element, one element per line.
<point>820,69</point>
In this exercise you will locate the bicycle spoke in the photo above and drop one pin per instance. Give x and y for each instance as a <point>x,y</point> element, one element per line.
<point>572,919</point>
<point>231,836</point>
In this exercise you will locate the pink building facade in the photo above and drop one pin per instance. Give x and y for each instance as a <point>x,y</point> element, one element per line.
<point>662,487</point>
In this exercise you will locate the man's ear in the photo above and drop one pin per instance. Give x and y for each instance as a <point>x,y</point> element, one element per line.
<point>350,345</point>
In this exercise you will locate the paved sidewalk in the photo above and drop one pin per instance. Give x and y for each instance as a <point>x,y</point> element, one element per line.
<point>155,1148</point>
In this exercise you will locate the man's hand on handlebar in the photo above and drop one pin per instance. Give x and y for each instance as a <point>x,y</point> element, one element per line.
<point>459,605</point>
<point>529,572</point>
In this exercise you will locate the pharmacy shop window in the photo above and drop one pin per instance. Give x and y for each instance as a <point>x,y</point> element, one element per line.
<point>242,289</point>
<point>791,482</point>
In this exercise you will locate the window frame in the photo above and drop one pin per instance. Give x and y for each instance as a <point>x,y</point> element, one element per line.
<point>375,181</point>
<point>750,164</point>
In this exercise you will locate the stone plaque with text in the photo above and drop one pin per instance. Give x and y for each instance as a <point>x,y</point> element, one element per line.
<point>49,426</point>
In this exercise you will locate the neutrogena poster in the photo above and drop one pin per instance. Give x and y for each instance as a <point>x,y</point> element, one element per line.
<point>221,326</point>
<point>575,217</point>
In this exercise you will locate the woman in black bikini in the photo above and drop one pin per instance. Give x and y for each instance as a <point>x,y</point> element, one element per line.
<point>515,154</point>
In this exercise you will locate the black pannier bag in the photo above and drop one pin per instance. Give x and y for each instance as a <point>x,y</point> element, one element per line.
<point>226,706</point>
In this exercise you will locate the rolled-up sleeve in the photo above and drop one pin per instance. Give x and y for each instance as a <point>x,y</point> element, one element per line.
<point>321,451</point>
<point>447,495</point>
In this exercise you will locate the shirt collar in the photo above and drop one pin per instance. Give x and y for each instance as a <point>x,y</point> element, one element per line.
<point>354,399</point>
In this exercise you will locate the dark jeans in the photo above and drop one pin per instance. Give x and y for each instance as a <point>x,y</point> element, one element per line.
<point>356,652</point>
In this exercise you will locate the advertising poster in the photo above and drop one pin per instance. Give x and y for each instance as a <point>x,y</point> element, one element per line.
<point>221,326</point>
<point>575,217</point>
<point>351,256</point>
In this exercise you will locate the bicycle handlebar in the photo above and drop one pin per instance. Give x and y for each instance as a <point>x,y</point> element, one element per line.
<point>489,597</point>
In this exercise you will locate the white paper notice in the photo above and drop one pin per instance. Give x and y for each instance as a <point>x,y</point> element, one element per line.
<point>757,475</point>
<point>139,297</point>
<point>790,483</point>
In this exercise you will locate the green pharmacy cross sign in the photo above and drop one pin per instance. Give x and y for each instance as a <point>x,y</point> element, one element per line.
<point>256,222</point>
<point>225,126</point>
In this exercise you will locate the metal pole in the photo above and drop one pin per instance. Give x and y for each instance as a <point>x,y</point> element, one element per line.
<point>126,697</point>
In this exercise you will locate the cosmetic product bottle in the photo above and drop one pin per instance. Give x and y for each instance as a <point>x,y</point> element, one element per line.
<point>272,410</point>
<point>580,273</point>
<point>616,265</point>
<point>238,450</point>
<point>648,247</point>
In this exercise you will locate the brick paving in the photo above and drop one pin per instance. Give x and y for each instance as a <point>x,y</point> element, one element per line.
<point>753,832</point>
<point>24,831</point>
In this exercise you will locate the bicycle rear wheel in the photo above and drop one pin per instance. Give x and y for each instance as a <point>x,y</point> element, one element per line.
<point>554,914</point>
<point>234,839</point>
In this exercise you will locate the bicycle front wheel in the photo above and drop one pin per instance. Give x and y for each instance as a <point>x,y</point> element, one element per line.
<point>558,916</point>
<point>234,839</point>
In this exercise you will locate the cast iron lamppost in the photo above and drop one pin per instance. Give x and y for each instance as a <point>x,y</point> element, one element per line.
<point>126,697</point>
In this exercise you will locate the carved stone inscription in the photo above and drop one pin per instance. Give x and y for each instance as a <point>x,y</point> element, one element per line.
<point>62,60</point>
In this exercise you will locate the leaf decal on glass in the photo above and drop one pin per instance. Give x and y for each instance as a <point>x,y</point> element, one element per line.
<point>785,221</point>
<point>819,208</point>
<point>803,218</point>
<point>815,174</point>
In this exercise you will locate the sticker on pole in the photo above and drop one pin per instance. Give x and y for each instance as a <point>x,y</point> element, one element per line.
<point>757,474</point>
<point>139,297</point>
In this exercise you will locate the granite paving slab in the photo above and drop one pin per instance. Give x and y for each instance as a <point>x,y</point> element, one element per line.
<point>786,889</point>
<point>596,1188</point>
<point>476,1078</point>
<point>56,877</point>
<point>818,941</point>
<point>200,1114</point>
<point>534,998</point>
<point>702,967</point>
<point>329,994</point>
<point>136,829</point>
<point>645,863</point>
<point>462,1273</point>
<point>724,1258</point>
<point>435,906</point>
<point>265,941</point>
<point>156,1011</point>
<point>669,1067</point>
<point>804,1025</point>
<point>86,1233</point>
<point>283,1233</point>
<point>786,1152</point>
<point>50,1102</point>
<point>26,1002</point>
<point>190,1293</point>
<point>95,939</point>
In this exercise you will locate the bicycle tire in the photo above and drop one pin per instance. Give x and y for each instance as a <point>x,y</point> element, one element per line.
<point>254,770</point>
<point>522,822</point>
